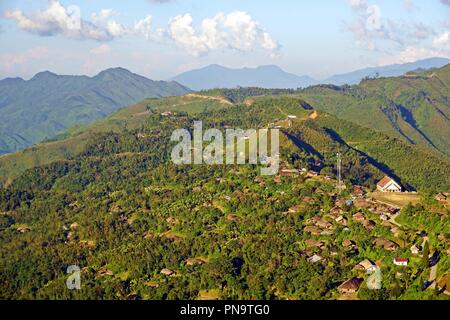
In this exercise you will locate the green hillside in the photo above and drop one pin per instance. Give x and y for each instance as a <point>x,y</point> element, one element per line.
<point>140,227</point>
<point>72,142</point>
<point>414,108</point>
<point>325,135</point>
<point>48,104</point>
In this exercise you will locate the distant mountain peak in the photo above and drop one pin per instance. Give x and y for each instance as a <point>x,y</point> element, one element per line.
<point>44,75</point>
<point>114,71</point>
<point>15,80</point>
<point>265,76</point>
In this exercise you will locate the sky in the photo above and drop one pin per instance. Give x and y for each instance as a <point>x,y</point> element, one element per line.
<point>162,38</point>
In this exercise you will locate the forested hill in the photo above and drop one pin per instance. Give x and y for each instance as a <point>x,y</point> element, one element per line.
<point>107,198</point>
<point>48,104</point>
<point>369,154</point>
<point>414,107</point>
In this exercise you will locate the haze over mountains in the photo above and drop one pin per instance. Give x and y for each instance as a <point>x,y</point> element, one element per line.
<point>48,104</point>
<point>216,76</point>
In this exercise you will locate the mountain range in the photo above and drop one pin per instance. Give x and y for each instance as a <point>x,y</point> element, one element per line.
<point>216,76</point>
<point>48,104</point>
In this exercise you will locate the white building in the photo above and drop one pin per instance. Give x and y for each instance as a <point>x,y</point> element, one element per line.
<point>401,262</point>
<point>387,184</point>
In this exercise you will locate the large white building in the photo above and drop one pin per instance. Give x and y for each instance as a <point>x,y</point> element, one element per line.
<point>387,184</point>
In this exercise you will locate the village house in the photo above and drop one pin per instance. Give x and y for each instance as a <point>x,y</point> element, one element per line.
<point>318,191</point>
<point>319,222</point>
<point>349,245</point>
<point>369,224</point>
<point>387,184</point>
<point>327,232</point>
<point>311,243</point>
<point>167,272</point>
<point>309,200</point>
<point>74,225</point>
<point>358,191</point>
<point>295,209</point>
<point>167,114</point>
<point>152,284</point>
<point>392,210</point>
<point>315,258</point>
<point>350,286</point>
<point>366,265</point>
<point>313,230</point>
<point>359,216</point>
<point>260,180</point>
<point>386,244</point>
<point>289,173</point>
<point>441,197</point>
<point>23,229</point>
<point>403,262</point>
<point>102,272</point>
<point>414,249</point>
<point>336,211</point>
<point>395,231</point>
<point>312,173</point>
<point>194,261</point>
<point>342,220</point>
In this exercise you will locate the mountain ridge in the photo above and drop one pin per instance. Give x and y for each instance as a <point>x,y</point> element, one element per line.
<point>266,76</point>
<point>272,76</point>
<point>47,104</point>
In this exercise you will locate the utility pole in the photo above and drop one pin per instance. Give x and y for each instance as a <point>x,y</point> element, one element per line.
<point>339,172</point>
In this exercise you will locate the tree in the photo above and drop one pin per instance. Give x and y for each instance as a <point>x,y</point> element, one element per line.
<point>397,290</point>
<point>426,253</point>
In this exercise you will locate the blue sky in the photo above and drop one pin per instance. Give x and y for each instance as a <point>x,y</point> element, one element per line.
<point>161,38</point>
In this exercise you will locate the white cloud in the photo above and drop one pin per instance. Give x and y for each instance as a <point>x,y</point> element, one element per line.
<point>410,54</point>
<point>236,31</point>
<point>101,50</point>
<point>144,27</point>
<point>103,20</point>
<point>442,41</point>
<point>9,61</point>
<point>358,4</point>
<point>59,20</point>
<point>373,16</point>
<point>375,33</point>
